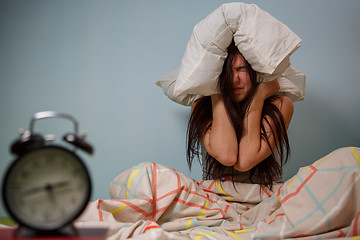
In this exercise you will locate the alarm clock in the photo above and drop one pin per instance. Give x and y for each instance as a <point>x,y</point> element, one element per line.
<point>47,186</point>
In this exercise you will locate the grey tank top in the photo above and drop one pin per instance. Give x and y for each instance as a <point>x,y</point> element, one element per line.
<point>243,177</point>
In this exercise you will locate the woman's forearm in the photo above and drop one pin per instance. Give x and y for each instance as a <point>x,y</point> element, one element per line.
<point>220,141</point>
<point>252,149</point>
<point>250,144</point>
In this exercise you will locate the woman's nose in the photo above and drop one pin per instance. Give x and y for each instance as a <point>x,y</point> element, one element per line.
<point>236,78</point>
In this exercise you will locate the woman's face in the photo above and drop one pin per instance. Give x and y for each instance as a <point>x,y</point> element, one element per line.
<point>241,78</point>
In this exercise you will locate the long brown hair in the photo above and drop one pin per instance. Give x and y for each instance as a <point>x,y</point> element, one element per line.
<point>200,121</point>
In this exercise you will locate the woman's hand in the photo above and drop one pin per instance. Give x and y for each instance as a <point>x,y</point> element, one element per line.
<point>267,89</point>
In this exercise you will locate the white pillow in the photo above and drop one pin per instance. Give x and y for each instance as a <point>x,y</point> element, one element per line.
<point>292,84</point>
<point>265,43</point>
<point>167,83</point>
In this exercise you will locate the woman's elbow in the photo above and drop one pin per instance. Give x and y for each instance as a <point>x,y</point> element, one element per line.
<point>243,167</point>
<point>226,159</point>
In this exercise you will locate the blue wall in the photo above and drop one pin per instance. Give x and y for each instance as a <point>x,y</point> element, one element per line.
<point>99,60</point>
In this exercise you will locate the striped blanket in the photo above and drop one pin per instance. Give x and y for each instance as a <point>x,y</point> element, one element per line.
<point>151,201</point>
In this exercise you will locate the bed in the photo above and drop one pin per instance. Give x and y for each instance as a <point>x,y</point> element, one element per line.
<point>152,201</point>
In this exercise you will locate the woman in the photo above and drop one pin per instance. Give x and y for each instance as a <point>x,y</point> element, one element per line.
<point>243,129</point>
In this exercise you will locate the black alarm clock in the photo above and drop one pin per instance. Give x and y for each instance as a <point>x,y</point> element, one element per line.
<point>47,186</point>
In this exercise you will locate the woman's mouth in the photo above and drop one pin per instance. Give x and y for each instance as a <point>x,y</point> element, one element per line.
<point>237,89</point>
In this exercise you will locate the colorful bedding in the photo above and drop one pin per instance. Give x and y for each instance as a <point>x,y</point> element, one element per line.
<point>151,201</point>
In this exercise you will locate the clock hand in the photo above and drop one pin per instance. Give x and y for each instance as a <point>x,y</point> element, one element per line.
<point>47,188</point>
<point>33,190</point>
<point>50,187</point>
<point>60,184</point>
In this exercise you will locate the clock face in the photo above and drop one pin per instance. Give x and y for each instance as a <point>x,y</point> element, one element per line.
<point>47,188</point>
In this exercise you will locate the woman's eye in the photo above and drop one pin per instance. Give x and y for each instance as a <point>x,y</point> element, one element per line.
<point>241,69</point>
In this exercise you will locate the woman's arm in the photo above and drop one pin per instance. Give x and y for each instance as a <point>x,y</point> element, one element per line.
<point>220,140</point>
<point>252,148</point>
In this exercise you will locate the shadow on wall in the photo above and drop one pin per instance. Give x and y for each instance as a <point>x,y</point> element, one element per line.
<point>323,126</point>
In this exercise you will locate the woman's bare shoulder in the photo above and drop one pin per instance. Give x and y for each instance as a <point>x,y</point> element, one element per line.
<point>283,102</point>
<point>286,107</point>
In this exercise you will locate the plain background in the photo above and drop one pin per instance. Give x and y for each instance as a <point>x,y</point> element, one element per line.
<point>98,60</point>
